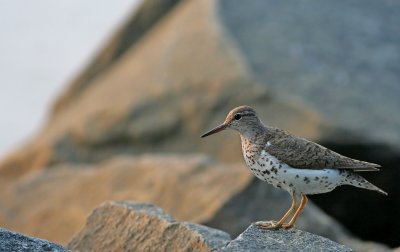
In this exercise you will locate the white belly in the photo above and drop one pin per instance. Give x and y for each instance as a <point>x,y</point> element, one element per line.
<point>280,175</point>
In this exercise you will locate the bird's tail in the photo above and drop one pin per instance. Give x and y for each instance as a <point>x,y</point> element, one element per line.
<point>351,178</point>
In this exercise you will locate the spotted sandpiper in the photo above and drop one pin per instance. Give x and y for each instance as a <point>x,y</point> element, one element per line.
<point>291,163</point>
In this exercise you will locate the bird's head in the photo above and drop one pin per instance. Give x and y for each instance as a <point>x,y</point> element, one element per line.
<point>241,119</point>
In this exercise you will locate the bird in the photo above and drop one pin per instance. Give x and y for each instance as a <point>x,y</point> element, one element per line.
<point>297,165</point>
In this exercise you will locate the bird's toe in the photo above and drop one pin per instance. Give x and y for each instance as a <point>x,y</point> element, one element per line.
<point>267,225</point>
<point>287,226</point>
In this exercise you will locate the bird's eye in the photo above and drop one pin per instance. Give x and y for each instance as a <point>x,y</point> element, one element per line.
<point>238,116</point>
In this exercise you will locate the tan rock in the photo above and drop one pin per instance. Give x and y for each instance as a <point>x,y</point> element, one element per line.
<point>54,203</point>
<point>142,20</point>
<point>134,226</point>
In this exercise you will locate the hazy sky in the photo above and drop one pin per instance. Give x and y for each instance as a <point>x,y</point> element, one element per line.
<point>43,44</point>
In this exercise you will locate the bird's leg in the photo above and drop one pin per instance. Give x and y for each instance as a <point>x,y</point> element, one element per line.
<point>282,220</point>
<point>303,203</point>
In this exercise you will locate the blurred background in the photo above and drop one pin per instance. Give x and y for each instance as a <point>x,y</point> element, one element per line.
<point>44,45</point>
<point>106,101</point>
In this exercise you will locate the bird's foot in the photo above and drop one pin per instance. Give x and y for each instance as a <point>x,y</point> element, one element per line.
<point>287,226</point>
<point>272,225</point>
<point>267,225</point>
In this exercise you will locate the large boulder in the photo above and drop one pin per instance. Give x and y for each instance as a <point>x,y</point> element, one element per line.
<point>176,68</point>
<point>11,241</point>
<point>134,226</point>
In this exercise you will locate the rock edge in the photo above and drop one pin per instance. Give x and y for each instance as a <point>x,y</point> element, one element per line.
<point>12,241</point>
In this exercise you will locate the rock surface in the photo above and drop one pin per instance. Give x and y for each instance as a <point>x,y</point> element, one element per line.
<point>191,187</point>
<point>254,239</point>
<point>148,14</point>
<point>173,71</point>
<point>133,226</point>
<point>12,241</point>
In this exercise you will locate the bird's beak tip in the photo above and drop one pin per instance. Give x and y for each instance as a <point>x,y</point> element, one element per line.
<point>215,130</point>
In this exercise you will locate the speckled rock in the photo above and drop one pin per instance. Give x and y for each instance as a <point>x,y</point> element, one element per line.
<point>255,239</point>
<point>14,242</point>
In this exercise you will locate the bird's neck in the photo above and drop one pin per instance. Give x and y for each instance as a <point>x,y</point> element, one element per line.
<point>254,135</point>
<point>252,131</point>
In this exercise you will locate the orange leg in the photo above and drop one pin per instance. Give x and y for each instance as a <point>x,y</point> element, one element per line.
<point>280,223</point>
<point>303,203</point>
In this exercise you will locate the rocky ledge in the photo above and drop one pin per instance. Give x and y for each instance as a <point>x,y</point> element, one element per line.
<point>11,241</point>
<point>134,226</point>
<point>255,239</point>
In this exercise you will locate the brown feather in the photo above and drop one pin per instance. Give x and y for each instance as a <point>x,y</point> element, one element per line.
<point>304,154</point>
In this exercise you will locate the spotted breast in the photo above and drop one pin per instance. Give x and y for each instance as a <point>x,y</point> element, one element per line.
<point>308,181</point>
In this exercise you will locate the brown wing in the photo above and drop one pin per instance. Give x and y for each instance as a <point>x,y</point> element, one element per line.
<point>301,153</point>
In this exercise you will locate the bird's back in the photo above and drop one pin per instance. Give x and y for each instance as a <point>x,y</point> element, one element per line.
<point>304,154</point>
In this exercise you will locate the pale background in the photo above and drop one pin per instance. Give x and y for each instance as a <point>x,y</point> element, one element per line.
<point>43,44</point>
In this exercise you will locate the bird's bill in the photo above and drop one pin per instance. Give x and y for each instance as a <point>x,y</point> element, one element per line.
<point>215,130</point>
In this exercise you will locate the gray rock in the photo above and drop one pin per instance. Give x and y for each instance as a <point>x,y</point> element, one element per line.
<point>254,239</point>
<point>12,241</point>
